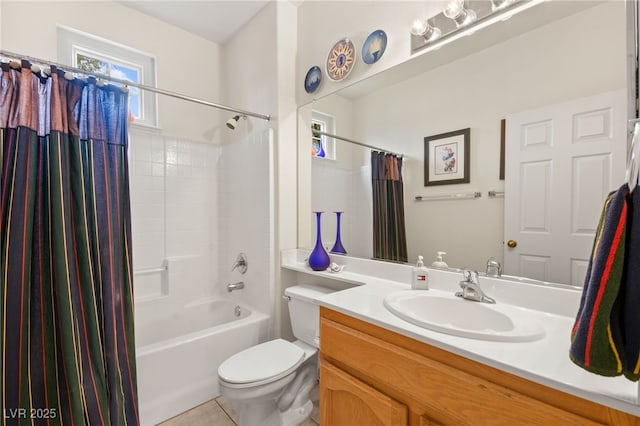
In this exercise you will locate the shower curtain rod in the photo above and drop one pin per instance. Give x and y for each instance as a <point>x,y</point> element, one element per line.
<point>139,86</point>
<point>318,132</point>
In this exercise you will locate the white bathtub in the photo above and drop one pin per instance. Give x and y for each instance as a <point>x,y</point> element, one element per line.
<point>178,358</point>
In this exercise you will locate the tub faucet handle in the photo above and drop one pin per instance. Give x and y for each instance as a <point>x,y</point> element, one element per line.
<point>240,264</point>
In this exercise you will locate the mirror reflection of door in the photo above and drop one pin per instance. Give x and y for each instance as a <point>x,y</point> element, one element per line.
<point>569,156</point>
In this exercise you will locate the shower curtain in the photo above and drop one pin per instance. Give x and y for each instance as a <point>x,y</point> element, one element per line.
<point>389,235</point>
<point>66,302</point>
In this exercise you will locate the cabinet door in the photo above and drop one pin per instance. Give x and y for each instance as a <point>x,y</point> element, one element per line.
<point>346,401</point>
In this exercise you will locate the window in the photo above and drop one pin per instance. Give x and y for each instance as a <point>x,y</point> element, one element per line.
<point>318,141</point>
<point>322,146</point>
<point>96,55</point>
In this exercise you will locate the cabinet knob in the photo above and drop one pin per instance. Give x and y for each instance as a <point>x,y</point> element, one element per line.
<point>512,243</point>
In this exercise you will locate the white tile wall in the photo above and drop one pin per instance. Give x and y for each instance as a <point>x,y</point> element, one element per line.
<point>244,177</point>
<point>173,199</point>
<point>195,206</point>
<point>147,200</point>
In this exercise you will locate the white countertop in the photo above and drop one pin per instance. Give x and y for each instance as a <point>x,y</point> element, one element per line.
<point>545,361</point>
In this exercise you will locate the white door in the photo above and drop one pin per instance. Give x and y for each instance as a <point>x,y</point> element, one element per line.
<point>561,162</point>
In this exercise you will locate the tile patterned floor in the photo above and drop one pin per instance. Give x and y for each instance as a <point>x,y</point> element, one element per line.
<point>218,412</point>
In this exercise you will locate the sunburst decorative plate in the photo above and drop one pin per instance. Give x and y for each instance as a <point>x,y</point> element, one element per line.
<point>341,59</point>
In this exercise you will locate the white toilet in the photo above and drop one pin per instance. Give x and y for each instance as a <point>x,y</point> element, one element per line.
<point>269,384</point>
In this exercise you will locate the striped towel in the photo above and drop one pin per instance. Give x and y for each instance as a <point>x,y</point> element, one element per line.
<point>596,337</point>
<point>629,295</point>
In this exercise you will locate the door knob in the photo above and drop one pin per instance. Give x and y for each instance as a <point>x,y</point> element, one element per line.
<point>512,243</point>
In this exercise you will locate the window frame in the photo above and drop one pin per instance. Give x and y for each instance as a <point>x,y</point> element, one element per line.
<point>72,42</point>
<point>327,125</point>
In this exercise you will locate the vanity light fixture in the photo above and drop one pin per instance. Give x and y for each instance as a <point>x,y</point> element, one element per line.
<point>462,18</point>
<point>500,4</point>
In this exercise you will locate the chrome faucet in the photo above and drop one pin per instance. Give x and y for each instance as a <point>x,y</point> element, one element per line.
<point>235,286</point>
<point>494,269</point>
<point>471,288</point>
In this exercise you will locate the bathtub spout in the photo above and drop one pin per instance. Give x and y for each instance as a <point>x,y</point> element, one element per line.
<point>235,286</point>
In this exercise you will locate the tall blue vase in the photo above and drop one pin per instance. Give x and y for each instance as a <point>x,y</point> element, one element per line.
<point>337,247</point>
<point>319,259</point>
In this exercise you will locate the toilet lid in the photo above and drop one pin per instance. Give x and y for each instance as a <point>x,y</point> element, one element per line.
<point>272,359</point>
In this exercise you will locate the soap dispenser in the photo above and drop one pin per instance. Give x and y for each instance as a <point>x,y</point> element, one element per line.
<point>420,274</point>
<point>439,263</point>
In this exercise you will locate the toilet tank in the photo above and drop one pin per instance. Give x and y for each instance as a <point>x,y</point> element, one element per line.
<point>304,311</point>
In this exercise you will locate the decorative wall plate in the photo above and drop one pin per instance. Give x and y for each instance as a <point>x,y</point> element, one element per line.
<point>313,79</point>
<point>341,59</point>
<point>374,46</point>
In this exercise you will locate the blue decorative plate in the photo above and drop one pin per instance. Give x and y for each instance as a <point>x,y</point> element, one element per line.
<point>374,46</point>
<point>341,59</point>
<point>313,79</point>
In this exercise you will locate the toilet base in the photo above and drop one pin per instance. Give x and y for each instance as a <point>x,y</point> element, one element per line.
<point>290,408</point>
<point>268,415</point>
<point>291,417</point>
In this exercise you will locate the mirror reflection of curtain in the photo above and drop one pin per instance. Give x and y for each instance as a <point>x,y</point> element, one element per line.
<point>389,235</point>
<point>66,302</point>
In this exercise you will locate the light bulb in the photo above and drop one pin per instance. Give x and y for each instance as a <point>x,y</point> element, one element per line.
<point>424,29</point>
<point>455,10</point>
<point>419,27</point>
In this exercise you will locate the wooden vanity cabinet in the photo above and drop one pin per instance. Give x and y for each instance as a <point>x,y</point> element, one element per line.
<point>352,402</point>
<point>372,376</point>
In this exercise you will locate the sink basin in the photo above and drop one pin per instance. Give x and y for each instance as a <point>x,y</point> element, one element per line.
<point>453,315</point>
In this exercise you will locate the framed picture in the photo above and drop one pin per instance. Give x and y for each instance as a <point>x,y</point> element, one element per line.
<point>446,158</point>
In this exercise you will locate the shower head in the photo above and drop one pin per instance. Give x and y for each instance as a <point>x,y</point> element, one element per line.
<point>233,122</point>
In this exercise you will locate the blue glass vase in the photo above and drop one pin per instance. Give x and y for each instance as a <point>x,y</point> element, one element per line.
<point>337,247</point>
<point>319,259</point>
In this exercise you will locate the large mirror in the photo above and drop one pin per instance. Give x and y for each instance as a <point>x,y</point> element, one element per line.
<point>576,50</point>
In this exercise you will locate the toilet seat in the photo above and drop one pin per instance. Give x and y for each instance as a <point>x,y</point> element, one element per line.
<point>261,364</point>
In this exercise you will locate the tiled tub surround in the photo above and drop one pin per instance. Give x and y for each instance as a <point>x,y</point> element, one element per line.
<point>187,231</point>
<point>545,361</point>
<point>174,199</point>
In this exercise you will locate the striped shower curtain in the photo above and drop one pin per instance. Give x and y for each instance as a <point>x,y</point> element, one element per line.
<point>66,303</point>
<point>389,235</point>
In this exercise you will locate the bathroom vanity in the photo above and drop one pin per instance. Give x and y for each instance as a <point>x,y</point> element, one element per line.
<point>373,376</point>
<point>379,369</point>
